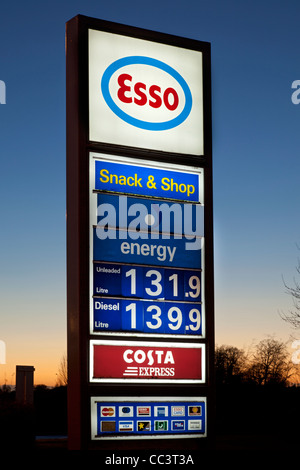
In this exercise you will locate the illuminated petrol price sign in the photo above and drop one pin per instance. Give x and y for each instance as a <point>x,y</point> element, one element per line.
<point>177,294</point>
<point>146,275</point>
<point>138,154</point>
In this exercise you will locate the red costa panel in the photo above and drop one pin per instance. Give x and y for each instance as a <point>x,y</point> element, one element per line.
<point>136,361</point>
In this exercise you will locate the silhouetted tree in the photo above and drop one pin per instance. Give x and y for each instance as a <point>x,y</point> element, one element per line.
<point>230,364</point>
<point>62,375</point>
<point>270,363</point>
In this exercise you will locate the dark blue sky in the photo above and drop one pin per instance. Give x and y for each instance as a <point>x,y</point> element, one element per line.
<point>255,59</point>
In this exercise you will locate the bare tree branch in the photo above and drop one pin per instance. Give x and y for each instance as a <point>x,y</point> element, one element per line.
<point>62,375</point>
<point>293,316</point>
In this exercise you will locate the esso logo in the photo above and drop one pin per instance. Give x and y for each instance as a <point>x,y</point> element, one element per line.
<point>140,90</point>
<point>146,93</point>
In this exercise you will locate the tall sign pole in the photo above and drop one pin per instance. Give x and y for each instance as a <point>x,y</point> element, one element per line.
<point>140,284</point>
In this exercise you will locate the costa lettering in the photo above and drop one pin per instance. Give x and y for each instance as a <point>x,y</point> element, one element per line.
<point>125,93</point>
<point>140,356</point>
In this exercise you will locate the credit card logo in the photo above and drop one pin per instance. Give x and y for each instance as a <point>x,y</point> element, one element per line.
<point>143,426</point>
<point>195,425</point>
<point>161,425</point>
<point>144,411</point>
<point>126,426</point>
<point>125,411</point>
<point>178,425</point>
<point>194,410</point>
<point>160,411</point>
<point>107,411</point>
<point>108,426</point>
<point>178,411</point>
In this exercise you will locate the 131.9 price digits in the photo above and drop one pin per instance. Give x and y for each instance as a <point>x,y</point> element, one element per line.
<point>147,282</point>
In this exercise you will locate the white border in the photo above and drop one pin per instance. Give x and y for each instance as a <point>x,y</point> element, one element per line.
<point>150,164</point>
<point>201,346</point>
<point>172,400</point>
<point>93,221</point>
<point>104,48</point>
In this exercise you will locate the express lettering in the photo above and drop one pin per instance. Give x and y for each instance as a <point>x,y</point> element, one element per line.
<point>156,372</point>
<point>140,357</point>
<point>138,94</point>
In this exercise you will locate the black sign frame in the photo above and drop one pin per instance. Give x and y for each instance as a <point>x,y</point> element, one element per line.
<point>80,390</point>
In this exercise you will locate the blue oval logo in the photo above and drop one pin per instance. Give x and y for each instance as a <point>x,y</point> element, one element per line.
<point>151,126</point>
<point>125,409</point>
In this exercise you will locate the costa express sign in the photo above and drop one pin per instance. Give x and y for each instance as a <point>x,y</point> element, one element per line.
<point>145,94</point>
<point>137,361</point>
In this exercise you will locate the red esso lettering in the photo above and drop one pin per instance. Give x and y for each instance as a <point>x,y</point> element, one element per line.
<point>169,97</point>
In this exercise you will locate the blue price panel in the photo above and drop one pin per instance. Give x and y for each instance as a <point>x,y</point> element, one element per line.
<point>131,315</point>
<point>152,418</point>
<point>177,251</point>
<point>147,282</point>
